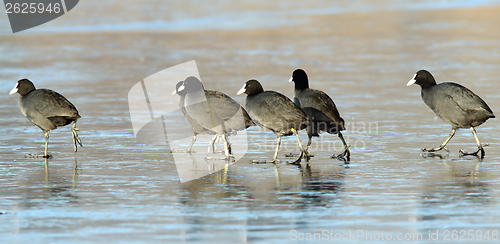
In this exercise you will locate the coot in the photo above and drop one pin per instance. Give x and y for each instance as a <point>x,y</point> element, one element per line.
<point>456,105</point>
<point>46,109</point>
<point>197,128</point>
<point>214,110</point>
<point>320,109</point>
<point>275,112</point>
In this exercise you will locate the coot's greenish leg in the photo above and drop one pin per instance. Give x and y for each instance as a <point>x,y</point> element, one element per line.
<point>76,139</point>
<point>192,143</point>
<point>278,143</point>
<point>303,153</point>
<point>226,147</point>
<point>442,146</point>
<point>46,153</point>
<point>346,154</point>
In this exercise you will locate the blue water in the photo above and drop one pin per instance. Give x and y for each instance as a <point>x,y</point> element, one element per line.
<point>225,15</point>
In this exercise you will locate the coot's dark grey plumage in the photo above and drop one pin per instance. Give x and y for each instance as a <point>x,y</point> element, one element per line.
<point>455,104</point>
<point>214,110</point>
<point>197,128</point>
<point>320,109</point>
<point>47,109</point>
<point>275,112</point>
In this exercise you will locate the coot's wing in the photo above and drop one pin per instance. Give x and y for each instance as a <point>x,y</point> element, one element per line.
<point>277,112</point>
<point>465,98</point>
<point>457,105</point>
<point>222,105</point>
<point>50,103</point>
<point>197,128</point>
<point>445,107</point>
<point>321,101</point>
<point>291,112</point>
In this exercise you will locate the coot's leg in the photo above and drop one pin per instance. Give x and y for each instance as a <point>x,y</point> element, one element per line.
<point>192,143</point>
<point>303,153</point>
<point>309,142</point>
<point>479,147</point>
<point>46,154</point>
<point>227,154</point>
<point>310,134</point>
<point>219,140</point>
<point>346,154</point>
<point>278,143</point>
<point>76,139</point>
<point>443,146</point>
<point>275,157</point>
<point>229,146</point>
<point>189,150</point>
<point>212,144</point>
<point>226,146</point>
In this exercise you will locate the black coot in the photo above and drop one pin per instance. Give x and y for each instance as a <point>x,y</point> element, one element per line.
<point>47,109</point>
<point>214,110</point>
<point>456,105</point>
<point>197,128</point>
<point>275,112</point>
<point>320,109</point>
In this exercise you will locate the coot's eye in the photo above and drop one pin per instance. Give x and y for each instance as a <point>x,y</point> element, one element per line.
<point>418,76</point>
<point>248,85</point>
<point>20,84</point>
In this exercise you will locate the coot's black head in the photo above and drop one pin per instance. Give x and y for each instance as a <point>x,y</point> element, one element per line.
<point>299,76</point>
<point>422,78</point>
<point>191,84</point>
<point>23,87</point>
<point>176,91</point>
<point>251,87</point>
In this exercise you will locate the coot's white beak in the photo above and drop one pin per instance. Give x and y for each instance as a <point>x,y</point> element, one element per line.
<point>412,81</point>
<point>291,79</point>
<point>174,92</point>
<point>242,90</point>
<point>181,88</point>
<point>14,90</point>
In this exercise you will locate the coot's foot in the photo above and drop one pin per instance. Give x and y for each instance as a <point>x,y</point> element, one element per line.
<point>266,162</point>
<point>462,152</point>
<point>302,155</point>
<point>213,145</point>
<point>76,139</point>
<point>346,155</point>
<point>38,156</point>
<point>430,152</point>
<point>293,155</point>
<point>224,158</point>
